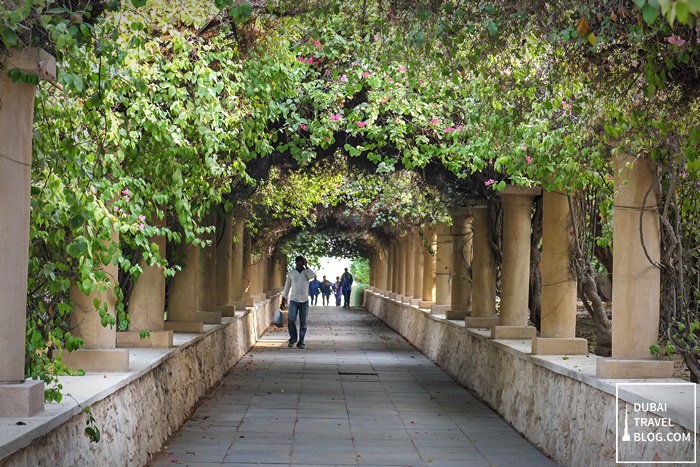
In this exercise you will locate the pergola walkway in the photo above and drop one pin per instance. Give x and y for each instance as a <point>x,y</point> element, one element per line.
<point>358,395</point>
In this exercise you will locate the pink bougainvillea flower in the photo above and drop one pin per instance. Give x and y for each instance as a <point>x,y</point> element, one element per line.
<point>126,191</point>
<point>344,78</point>
<point>523,147</point>
<point>335,117</point>
<point>434,121</point>
<point>309,60</point>
<point>127,199</point>
<point>376,37</point>
<point>365,74</point>
<point>361,124</point>
<point>460,127</point>
<point>303,126</point>
<point>489,182</point>
<point>402,69</point>
<point>448,130</point>
<point>116,208</point>
<point>141,226</point>
<point>676,40</point>
<point>490,162</point>
<point>528,159</point>
<point>142,218</point>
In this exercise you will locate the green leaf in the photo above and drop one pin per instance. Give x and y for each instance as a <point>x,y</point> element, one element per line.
<point>9,37</point>
<point>138,3</point>
<point>241,13</point>
<point>649,13</point>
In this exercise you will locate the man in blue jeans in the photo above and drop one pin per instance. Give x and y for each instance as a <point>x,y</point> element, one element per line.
<point>296,289</point>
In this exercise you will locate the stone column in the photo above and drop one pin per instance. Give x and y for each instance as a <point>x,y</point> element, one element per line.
<point>636,282</point>
<point>99,352</point>
<point>183,299</point>
<point>410,255</point>
<point>395,254</point>
<point>443,269</point>
<point>249,275</point>
<point>146,306</point>
<point>418,268</point>
<point>401,269</point>
<point>558,327</point>
<point>517,218</point>
<point>483,272</point>
<point>207,282</point>
<point>237,260</point>
<point>18,398</point>
<point>461,293</point>
<point>389,260</point>
<point>429,252</point>
<point>224,266</point>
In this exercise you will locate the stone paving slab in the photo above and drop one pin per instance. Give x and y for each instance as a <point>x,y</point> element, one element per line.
<point>358,395</point>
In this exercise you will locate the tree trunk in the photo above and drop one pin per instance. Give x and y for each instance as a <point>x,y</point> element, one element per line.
<point>588,290</point>
<point>535,287</point>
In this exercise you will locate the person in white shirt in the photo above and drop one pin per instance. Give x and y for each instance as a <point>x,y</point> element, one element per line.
<point>296,290</point>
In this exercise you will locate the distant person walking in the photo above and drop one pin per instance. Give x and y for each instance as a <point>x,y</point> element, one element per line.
<point>314,290</point>
<point>296,290</point>
<point>338,291</point>
<point>326,287</point>
<point>346,286</point>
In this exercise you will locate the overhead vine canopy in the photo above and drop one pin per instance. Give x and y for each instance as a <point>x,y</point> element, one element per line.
<point>328,116</point>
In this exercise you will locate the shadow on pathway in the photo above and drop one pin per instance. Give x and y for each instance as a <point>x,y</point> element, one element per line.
<point>358,395</point>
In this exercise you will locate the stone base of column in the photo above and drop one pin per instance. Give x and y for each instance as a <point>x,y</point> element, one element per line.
<point>226,310</point>
<point>239,305</point>
<point>249,302</point>
<point>513,332</point>
<point>457,314</point>
<point>98,360</point>
<point>392,295</point>
<point>559,346</point>
<point>425,304</point>
<point>399,298</point>
<point>184,326</point>
<point>440,309</point>
<point>21,399</point>
<point>156,340</point>
<point>209,317</point>
<point>618,368</point>
<point>480,322</point>
<point>415,302</point>
<point>406,299</point>
<point>259,298</point>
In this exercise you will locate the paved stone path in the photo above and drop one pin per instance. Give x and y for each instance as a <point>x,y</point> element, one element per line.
<point>358,395</point>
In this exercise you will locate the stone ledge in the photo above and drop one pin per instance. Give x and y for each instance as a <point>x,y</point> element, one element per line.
<point>56,432</point>
<point>570,378</point>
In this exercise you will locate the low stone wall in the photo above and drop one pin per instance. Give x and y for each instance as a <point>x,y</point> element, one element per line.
<point>563,410</point>
<point>138,415</point>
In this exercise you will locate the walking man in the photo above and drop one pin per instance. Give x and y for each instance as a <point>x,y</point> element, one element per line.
<point>296,289</point>
<point>346,286</point>
<point>326,290</point>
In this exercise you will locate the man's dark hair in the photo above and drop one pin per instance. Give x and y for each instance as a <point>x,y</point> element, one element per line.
<point>300,258</point>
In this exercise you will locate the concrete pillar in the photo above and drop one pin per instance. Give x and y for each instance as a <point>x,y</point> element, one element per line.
<point>401,269</point>
<point>429,252</point>
<point>249,275</point>
<point>99,352</point>
<point>183,299</point>
<point>384,270</point>
<point>418,267</point>
<point>17,398</point>
<point>517,218</point>
<point>224,266</point>
<point>410,255</point>
<point>395,254</point>
<point>237,260</point>
<point>461,292</point>
<point>207,261</point>
<point>636,282</point>
<point>483,272</point>
<point>443,269</point>
<point>558,327</point>
<point>146,307</point>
